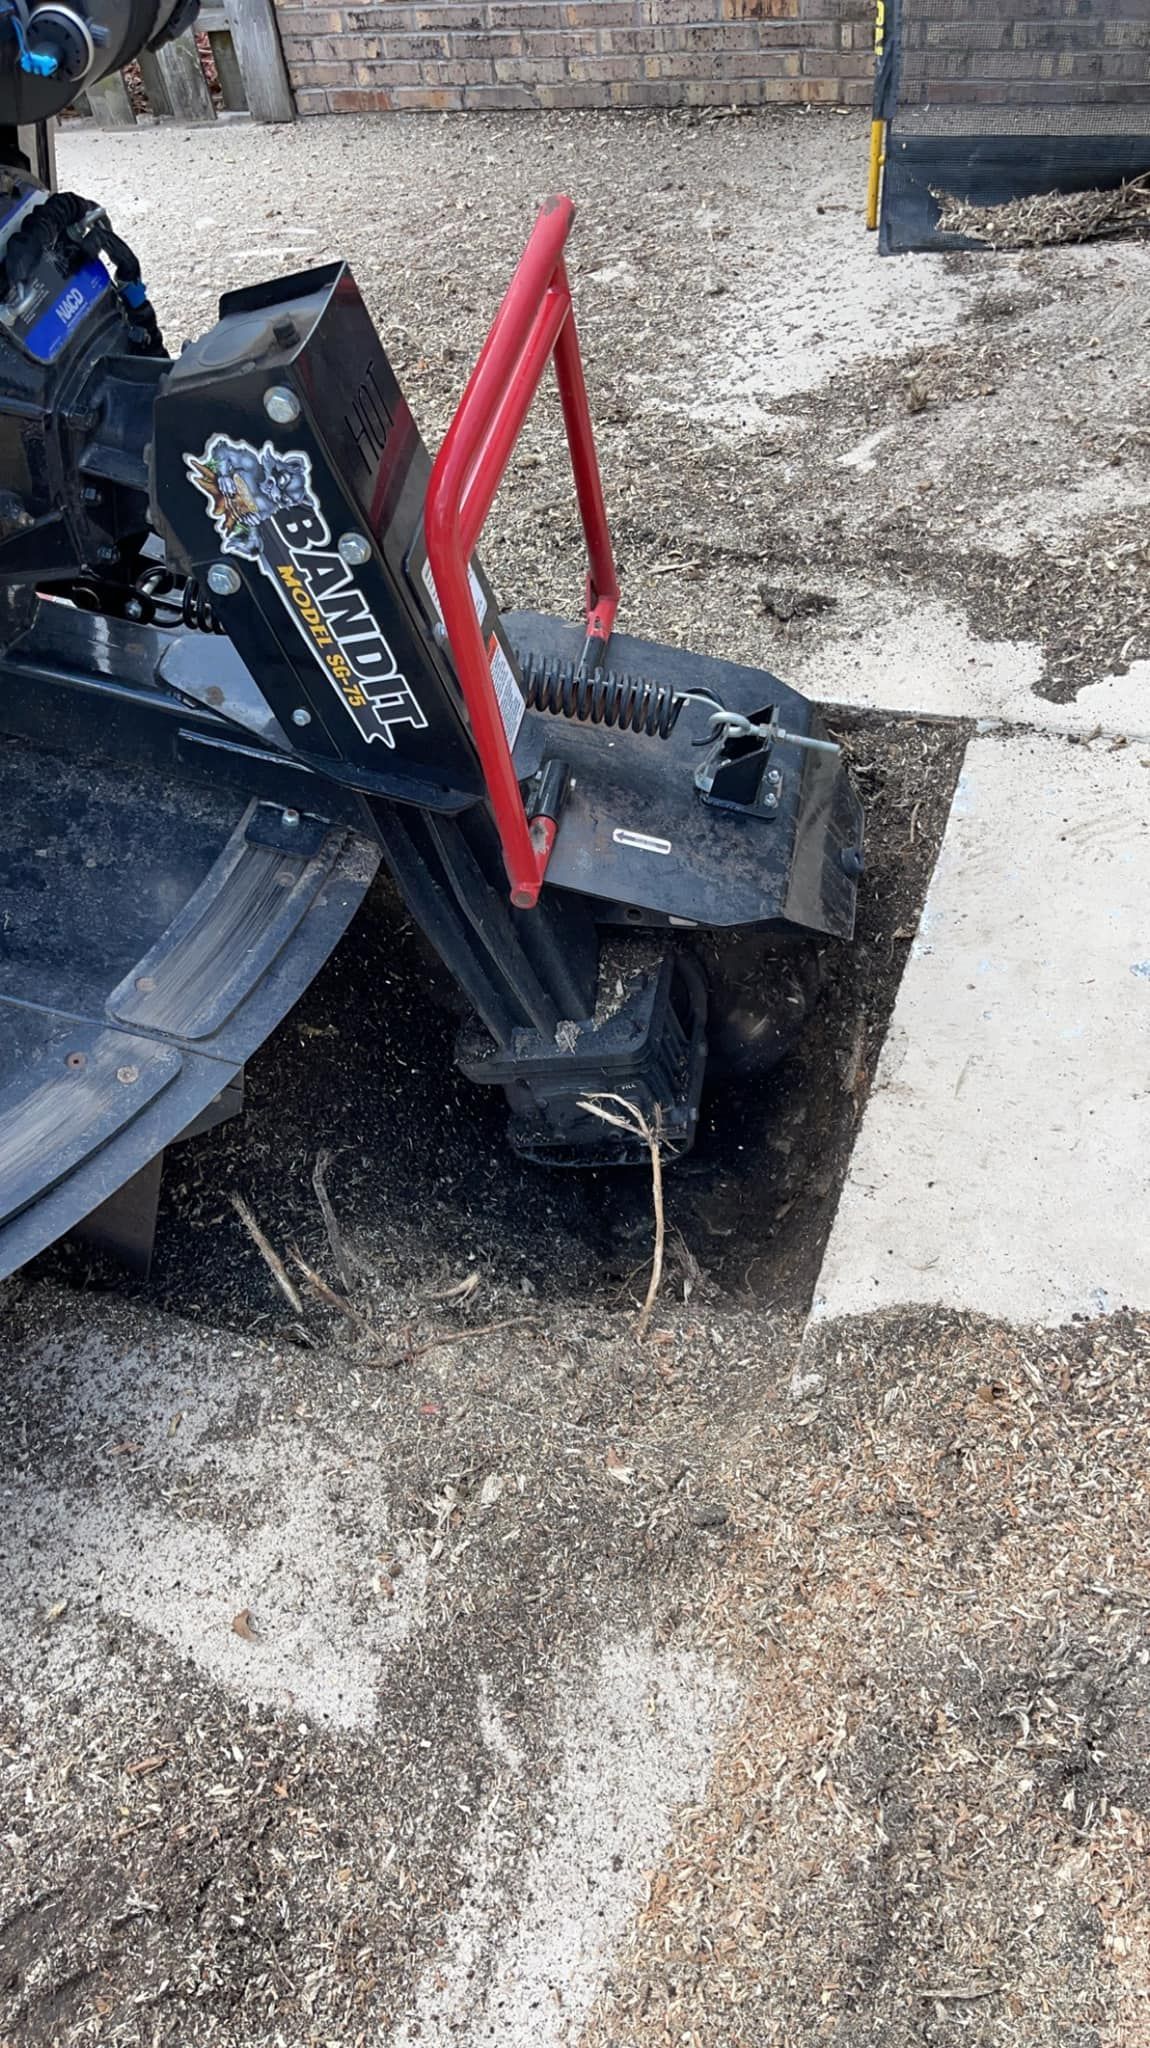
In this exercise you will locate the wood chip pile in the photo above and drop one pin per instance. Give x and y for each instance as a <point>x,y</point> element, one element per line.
<point>1050,217</point>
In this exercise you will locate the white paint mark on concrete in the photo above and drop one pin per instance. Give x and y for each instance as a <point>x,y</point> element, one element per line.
<point>891,649</point>
<point>1003,1163</point>
<point>202,1504</point>
<point>531,1944</point>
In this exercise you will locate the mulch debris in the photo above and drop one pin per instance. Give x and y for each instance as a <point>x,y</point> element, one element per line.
<point>1044,219</point>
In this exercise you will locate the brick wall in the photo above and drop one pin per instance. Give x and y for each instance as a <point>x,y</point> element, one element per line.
<point>359,57</point>
<point>1043,52</point>
<point>353,56</point>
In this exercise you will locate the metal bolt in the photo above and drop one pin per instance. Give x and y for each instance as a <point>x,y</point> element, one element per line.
<point>145,983</point>
<point>301,717</point>
<point>281,405</point>
<point>354,550</point>
<point>133,609</point>
<point>127,1075</point>
<point>289,818</point>
<point>223,580</point>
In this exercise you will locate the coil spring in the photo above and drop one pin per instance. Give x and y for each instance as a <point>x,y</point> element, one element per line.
<point>186,599</point>
<point>631,703</point>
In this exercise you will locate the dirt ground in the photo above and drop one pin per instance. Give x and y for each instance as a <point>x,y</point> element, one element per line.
<point>470,1673</point>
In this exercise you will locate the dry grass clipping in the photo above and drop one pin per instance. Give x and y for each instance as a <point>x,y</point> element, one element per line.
<point>268,1253</point>
<point>1048,218</point>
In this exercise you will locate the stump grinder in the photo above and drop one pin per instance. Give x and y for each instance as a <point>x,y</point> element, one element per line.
<point>248,656</point>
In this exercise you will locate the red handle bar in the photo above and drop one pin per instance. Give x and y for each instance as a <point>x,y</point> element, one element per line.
<point>535,322</point>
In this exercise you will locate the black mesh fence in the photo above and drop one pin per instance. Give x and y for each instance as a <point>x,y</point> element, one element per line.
<point>990,101</point>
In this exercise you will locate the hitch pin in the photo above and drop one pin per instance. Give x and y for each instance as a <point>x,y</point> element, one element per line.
<point>552,784</point>
<point>735,725</point>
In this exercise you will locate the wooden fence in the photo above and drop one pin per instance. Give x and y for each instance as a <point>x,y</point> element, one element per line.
<point>249,67</point>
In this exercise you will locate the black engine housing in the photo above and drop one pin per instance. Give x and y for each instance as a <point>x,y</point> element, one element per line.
<point>80,361</point>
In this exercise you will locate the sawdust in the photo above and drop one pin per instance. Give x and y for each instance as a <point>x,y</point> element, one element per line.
<point>188,1859</point>
<point>722,422</point>
<point>885,1854</point>
<point>635,1742</point>
<point>934,1814</point>
<point>891,1580</point>
<point>252,1532</point>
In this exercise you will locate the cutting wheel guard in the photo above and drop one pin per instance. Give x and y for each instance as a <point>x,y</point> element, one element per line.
<point>535,322</point>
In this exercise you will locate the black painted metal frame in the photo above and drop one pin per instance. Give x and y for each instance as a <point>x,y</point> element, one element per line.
<point>987,170</point>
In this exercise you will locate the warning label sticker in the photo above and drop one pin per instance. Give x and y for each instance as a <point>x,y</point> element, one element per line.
<point>507,691</point>
<point>511,706</point>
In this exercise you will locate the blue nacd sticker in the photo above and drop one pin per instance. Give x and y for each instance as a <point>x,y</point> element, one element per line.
<point>79,295</point>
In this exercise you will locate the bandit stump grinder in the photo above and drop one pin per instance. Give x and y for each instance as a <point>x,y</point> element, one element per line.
<point>248,656</point>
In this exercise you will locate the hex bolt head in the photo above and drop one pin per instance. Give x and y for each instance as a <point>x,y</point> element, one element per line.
<point>127,1075</point>
<point>354,550</point>
<point>281,405</point>
<point>300,716</point>
<point>289,819</point>
<point>223,580</point>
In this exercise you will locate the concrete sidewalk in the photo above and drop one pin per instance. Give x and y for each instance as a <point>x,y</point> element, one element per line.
<point>1003,1164</point>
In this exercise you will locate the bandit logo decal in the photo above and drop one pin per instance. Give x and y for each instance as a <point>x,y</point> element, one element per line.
<point>262,505</point>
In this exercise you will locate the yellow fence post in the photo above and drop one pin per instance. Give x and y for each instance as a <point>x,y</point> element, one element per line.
<point>878,123</point>
<point>874,178</point>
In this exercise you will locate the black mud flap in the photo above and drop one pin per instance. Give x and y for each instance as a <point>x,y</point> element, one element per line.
<point>151,936</point>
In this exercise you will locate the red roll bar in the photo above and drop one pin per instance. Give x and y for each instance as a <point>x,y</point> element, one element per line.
<point>535,321</point>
